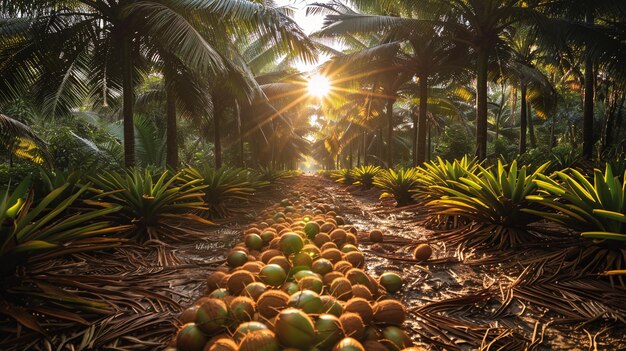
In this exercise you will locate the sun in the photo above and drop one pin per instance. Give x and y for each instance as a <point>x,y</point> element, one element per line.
<point>319,86</point>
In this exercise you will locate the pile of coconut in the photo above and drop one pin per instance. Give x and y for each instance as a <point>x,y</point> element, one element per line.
<point>296,282</point>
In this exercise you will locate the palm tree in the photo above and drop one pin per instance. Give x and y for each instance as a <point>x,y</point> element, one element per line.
<point>20,140</point>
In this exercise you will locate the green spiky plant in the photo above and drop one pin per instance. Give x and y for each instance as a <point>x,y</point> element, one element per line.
<point>364,175</point>
<point>343,176</point>
<point>155,203</point>
<point>399,185</point>
<point>495,199</point>
<point>224,185</point>
<point>596,208</point>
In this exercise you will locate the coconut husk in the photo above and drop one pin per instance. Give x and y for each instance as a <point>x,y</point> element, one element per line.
<point>330,276</point>
<point>282,261</point>
<point>351,239</point>
<point>267,255</point>
<point>253,267</point>
<point>188,315</point>
<point>341,288</point>
<point>422,252</point>
<point>376,236</point>
<point>343,266</point>
<point>242,308</point>
<point>271,302</point>
<point>216,280</point>
<point>361,307</point>
<point>389,312</point>
<point>259,340</point>
<point>362,291</point>
<point>356,258</point>
<point>221,344</point>
<point>238,281</point>
<point>333,255</point>
<point>338,236</point>
<point>372,345</point>
<point>353,325</point>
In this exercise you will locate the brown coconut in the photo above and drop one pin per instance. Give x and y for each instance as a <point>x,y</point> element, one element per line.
<point>244,306</point>
<point>189,315</point>
<point>376,236</point>
<point>362,291</point>
<point>259,340</point>
<point>282,261</point>
<point>321,239</point>
<point>271,302</point>
<point>342,266</point>
<point>338,236</point>
<point>422,252</point>
<point>372,345</point>
<point>333,255</point>
<point>353,325</point>
<point>216,280</point>
<point>253,267</point>
<point>221,344</point>
<point>356,258</point>
<point>351,239</point>
<point>274,244</point>
<point>267,255</point>
<point>238,281</point>
<point>341,288</point>
<point>327,227</point>
<point>331,276</point>
<point>389,312</point>
<point>329,245</point>
<point>361,307</point>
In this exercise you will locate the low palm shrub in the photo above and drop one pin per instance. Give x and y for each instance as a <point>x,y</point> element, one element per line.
<point>442,173</point>
<point>344,176</point>
<point>223,186</point>
<point>594,207</point>
<point>400,185</point>
<point>364,175</point>
<point>495,199</point>
<point>154,203</point>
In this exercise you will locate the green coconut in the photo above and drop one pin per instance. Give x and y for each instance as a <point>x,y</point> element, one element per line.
<point>278,215</point>
<point>391,282</point>
<point>322,266</point>
<point>219,293</point>
<point>330,305</point>
<point>242,309</point>
<point>305,272</point>
<point>348,344</point>
<point>397,337</point>
<point>254,241</point>
<point>295,329</point>
<point>236,258</point>
<point>272,302</point>
<point>302,259</point>
<point>222,343</point>
<point>273,275</point>
<point>191,338</point>
<point>329,331</point>
<point>311,283</point>
<point>260,340</point>
<point>306,300</point>
<point>212,315</point>
<point>291,243</point>
<point>349,248</point>
<point>290,288</point>
<point>267,236</point>
<point>311,229</point>
<point>254,290</point>
<point>246,328</point>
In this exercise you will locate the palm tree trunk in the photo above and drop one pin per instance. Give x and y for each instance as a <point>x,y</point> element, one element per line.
<point>239,135</point>
<point>390,132</point>
<point>127,103</point>
<point>381,146</point>
<point>523,120</point>
<point>481,104</point>
<point>171,133</point>
<point>588,103</point>
<point>531,128</point>
<point>217,143</point>
<point>422,128</point>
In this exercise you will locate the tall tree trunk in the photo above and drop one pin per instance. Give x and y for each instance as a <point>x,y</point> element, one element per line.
<point>588,102</point>
<point>239,135</point>
<point>551,142</point>
<point>350,160</point>
<point>171,133</point>
<point>481,104</point>
<point>523,120</point>
<point>217,146</point>
<point>531,128</point>
<point>390,132</point>
<point>415,119</point>
<point>364,147</point>
<point>381,146</point>
<point>358,153</point>
<point>127,102</point>
<point>422,121</point>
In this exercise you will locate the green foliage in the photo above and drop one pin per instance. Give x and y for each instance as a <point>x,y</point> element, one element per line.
<point>399,184</point>
<point>155,203</point>
<point>224,185</point>
<point>454,143</point>
<point>344,176</point>
<point>364,175</point>
<point>440,173</point>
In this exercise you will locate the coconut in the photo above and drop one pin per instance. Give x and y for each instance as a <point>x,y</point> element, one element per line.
<point>216,280</point>
<point>376,236</point>
<point>330,276</point>
<point>348,248</point>
<point>282,261</point>
<point>329,331</point>
<point>291,243</point>
<point>267,255</point>
<point>241,247</point>
<point>273,275</point>
<point>252,230</point>
<point>328,227</point>
<point>221,344</point>
<point>238,281</point>
<point>333,255</point>
<point>246,328</point>
<point>236,258</point>
<point>271,302</point>
<point>321,239</point>
<point>389,312</point>
<point>372,345</point>
<point>259,340</point>
<point>188,315</point>
<point>391,282</point>
<point>328,245</point>
<point>295,329</point>
<point>353,325</point>
<point>267,236</point>
<point>338,236</point>
<point>306,300</point>
<point>311,250</point>
<point>252,267</point>
<point>191,338</point>
<point>254,290</point>
<point>301,272</point>
<point>340,220</point>
<point>374,286</point>
<point>372,334</point>
<point>357,276</point>
<point>211,315</point>
<point>362,291</point>
<point>396,337</point>
<point>311,283</point>
<point>274,243</point>
<point>254,241</point>
<point>341,288</point>
<point>348,344</point>
<point>343,266</point>
<point>290,288</point>
<point>302,259</point>
<point>322,266</point>
<point>356,258</point>
<point>422,252</point>
<point>221,294</point>
<point>311,229</point>
<point>361,307</point>
<point>278,215</point>
<point>242,309</point>
<point>331,306</point>
<point>351,239</point>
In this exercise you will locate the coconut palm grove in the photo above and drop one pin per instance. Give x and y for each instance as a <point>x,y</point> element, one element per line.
<point>330,175</point>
